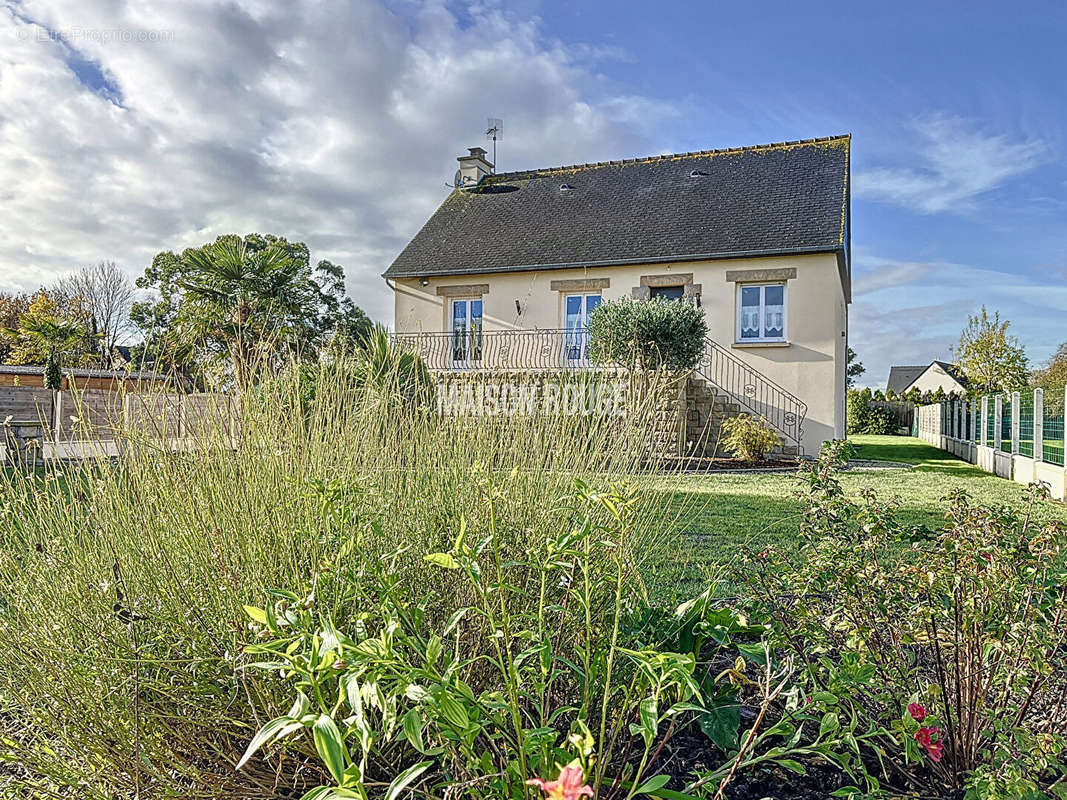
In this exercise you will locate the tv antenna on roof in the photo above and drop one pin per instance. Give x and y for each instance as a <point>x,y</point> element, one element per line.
<point>494,129</point>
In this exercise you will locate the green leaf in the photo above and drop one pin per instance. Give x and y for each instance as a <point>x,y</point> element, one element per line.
<point>300,706</point>
<point>793,766</point>
<point>401,781</point>
<point>453,712</point>
<point>830,723</point>
<point>721,724</point>
<point>256,614</point>
<point>443,560</point>
<point>652,785</point>
<point>330,746</point>
<point>649,719</point>
<point>275,729</point>
<point>413,730</point>
<point>318,793</point>
<point>826,698</point>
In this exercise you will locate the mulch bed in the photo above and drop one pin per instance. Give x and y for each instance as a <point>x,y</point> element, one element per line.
<point>734,465</point>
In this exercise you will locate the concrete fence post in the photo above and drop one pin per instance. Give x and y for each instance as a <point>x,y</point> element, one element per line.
<point>1014,423</point>
<point>1039,425</point>
<point>57,421</point>
<point>983,438</point>
<point>998,421</point>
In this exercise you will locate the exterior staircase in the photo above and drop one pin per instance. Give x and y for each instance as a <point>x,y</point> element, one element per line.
<point>706,409</point>
<point>723,386</point>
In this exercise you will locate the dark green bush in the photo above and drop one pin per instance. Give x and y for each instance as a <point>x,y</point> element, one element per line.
<point>650,334</point>
<point>866,418</point>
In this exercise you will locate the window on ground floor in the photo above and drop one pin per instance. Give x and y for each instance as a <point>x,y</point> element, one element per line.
<point>466,330</point>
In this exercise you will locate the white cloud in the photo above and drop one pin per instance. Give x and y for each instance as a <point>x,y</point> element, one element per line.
<point>956,165</point>
<point>911,312</point>
<point>331,122</point>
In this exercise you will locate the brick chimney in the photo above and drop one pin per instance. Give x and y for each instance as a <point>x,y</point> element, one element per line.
<point>473,167</point>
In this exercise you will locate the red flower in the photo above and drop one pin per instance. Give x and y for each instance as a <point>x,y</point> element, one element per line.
<point>923,737</point>
<point>567,787</point>
<point>918,712</point>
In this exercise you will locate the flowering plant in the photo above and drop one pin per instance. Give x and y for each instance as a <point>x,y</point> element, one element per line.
<point>568,786</point>
<point>950,652</point>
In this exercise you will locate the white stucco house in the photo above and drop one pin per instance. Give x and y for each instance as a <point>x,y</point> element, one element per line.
<point>507,270</point>
<point>926,378</point>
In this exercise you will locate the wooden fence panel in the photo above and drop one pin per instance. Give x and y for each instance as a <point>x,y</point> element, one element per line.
<point>26,404</point>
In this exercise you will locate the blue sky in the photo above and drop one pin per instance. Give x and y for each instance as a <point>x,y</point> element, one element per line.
<point>957,112</point>
<point>127,129</point>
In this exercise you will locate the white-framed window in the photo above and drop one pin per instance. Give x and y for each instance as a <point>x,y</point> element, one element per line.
<point>576,311</point>
<point>466,324</point>
<point>761,312</point>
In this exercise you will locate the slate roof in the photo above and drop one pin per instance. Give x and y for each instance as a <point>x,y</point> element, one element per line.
<point>900,378</point>
<point>791,197</point>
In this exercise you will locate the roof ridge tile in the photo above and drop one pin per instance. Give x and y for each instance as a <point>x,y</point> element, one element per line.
<point>543,171</point>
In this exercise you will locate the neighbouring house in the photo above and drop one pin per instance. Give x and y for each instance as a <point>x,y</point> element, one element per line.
<point>507,271</point>
<point>927,378</point>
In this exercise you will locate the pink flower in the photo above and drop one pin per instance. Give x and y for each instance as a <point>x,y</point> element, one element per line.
<point>918,712</point>
<point>568,786</point>
<point>923,737</point>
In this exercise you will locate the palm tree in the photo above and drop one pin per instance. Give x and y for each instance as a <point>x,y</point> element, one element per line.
<point>253,293</point>
<point>56,336</point>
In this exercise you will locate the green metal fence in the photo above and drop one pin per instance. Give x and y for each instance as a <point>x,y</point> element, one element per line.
<point>1052,432</point>
<point>990,421</point>
<point>1026,424</point>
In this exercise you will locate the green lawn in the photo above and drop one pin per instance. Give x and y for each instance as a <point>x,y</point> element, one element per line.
<point>719,513</point>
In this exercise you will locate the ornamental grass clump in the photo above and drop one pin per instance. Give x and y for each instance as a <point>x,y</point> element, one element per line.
<point>123,582</point>
<point>949,647</point>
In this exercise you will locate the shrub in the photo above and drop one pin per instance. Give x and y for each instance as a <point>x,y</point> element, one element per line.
<point>950,657</point>
<point>653,334</point>
<point>749,438</point>
<point>863,418</point>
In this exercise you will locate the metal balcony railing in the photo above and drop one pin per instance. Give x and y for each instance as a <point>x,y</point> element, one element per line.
<point>548,349</point>
<point>562,349</point>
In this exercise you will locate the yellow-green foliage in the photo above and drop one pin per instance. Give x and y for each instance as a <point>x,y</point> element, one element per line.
<point>122,584</point>
<point>749,438</point>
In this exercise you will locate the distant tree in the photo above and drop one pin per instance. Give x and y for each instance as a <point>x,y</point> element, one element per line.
<point>106,293</point>
<point>12,306</point>
<point>992,359</point>
<point>44,332</point>
<point>229,303</point>
<point>890,395</point>
<point>879,395</point>
<point>938,395</point>
<point>1052,377</point>
<point>853,369</point>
